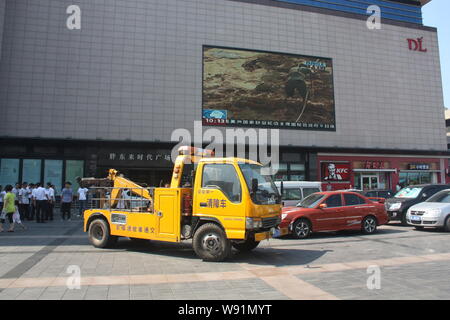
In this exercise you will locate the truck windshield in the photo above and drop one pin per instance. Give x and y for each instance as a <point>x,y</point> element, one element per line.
<point>311,201</point>
<point>408,193</point>
<point>267,192</point>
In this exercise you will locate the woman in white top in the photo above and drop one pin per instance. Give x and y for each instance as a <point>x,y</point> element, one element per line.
<point>82,200</point>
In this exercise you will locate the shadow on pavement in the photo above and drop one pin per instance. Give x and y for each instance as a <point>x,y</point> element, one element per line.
<point>279,257</point>
<point>260,256</point>
<point>344,234</point>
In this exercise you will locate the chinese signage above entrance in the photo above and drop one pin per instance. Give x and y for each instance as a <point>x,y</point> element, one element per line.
<point>135,158</point>
<point>138,156</point>
<point>371,165</point>
<point>374,165</point>
<point>419,166</point>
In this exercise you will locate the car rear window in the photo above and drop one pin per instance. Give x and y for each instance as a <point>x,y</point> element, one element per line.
<point>353,200</point>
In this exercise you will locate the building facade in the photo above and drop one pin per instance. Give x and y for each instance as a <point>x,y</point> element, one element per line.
<point>76,102</point>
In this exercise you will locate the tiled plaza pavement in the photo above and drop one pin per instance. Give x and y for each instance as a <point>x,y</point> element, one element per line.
<point>414,265</point>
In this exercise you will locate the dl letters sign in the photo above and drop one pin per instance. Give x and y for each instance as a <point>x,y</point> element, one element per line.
<point>416,45</point>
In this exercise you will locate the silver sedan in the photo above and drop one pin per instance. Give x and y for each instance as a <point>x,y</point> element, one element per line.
<point>433,213</point>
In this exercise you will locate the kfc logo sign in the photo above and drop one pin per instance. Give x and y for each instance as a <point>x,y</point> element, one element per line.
<point>335,171</point>
<point>416,45</point>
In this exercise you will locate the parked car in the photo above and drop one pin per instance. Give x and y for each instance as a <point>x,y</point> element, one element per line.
<point>398,206</point>
<point>333,211</point>
<point>296,191</point>
<point>386,194</point>
<point>435,212</point>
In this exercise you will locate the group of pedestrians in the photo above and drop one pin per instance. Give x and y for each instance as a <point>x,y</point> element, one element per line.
<point>37,202</point>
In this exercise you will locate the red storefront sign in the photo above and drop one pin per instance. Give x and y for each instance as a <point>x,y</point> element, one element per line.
<point>335,171</point>
<point>374,165</point>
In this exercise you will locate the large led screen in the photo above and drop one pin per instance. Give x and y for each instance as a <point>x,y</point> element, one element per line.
<point>248,88</point>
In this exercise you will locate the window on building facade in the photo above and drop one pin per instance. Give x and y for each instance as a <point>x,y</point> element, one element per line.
<point>291,172</point>
<point>53,173</point>
<point>31,170</point>
<point>74,169</point>
<point>414,178</point>
<point>9,171</point>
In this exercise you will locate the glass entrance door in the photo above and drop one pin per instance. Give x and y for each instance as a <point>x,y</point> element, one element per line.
<point>370,182</point>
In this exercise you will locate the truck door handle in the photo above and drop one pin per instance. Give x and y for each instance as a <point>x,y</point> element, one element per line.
<point>160,214</point>
<point>203,204</point>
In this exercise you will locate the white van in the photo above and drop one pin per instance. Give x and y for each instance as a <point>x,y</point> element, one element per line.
<point>295,191</point>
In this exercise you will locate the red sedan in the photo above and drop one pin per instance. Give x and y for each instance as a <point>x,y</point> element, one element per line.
<point>334,211</point>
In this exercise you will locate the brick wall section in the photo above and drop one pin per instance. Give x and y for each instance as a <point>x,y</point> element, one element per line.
<point>134,71</point>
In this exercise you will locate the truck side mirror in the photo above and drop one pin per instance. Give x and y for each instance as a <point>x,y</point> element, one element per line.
<point>323,206</point>
<point>255,185</point>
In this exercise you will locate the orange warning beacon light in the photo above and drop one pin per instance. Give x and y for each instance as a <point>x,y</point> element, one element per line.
<point>193,151</point>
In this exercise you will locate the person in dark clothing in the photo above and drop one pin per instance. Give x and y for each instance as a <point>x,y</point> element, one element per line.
<point>50,192</point>
<point>32,207</point>
<point>41,202</point>
<point>66,200</point>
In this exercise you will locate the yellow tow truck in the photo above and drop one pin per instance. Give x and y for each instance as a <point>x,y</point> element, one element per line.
<point>219,203</point>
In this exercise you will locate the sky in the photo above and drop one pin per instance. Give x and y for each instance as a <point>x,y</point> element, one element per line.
<point>436,14</point>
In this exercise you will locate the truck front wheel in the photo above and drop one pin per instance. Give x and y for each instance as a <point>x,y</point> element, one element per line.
<point>99,234</point>
<point>210,243</point>
<point>246,246</point>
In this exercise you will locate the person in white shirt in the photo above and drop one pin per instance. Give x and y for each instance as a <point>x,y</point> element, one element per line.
<point>50,193</point>
<point>16,189</point>
<point>82,200</point>
<point>40,202</point>
<point>24,201</point>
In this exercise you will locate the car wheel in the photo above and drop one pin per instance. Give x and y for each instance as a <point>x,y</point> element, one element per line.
<point>302,229</point>
<point>369,225</point>
<point>447,224</point>
<point>211,243</point>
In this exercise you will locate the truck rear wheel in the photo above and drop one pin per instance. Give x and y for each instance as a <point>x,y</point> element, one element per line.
<point>210,243</point>
<point>246,246</point>
<point>99,234</point>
